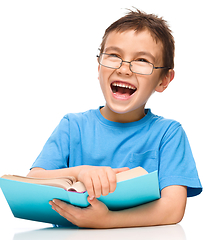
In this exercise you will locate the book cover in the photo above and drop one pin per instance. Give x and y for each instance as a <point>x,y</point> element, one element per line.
<point>31,201</point>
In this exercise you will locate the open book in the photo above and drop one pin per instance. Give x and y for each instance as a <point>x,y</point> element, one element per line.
<point>70,183</point>
<point>29,198</point>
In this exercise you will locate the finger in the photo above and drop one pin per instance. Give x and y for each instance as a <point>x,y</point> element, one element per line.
<point>118,170</point>
<point>112,180</point>
<point>63,205</point>
<point>96,185</point>
<point>65,210</point>
<point>90,188</point>
<point>105,184</point>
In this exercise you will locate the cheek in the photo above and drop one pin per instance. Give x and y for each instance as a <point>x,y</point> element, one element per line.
<point>98,71</point>
<point>147,86</point>
<point>100,77</point>
<point>103,75</point>
<point>102,81</point>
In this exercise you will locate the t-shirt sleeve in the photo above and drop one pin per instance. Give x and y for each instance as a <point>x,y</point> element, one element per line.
<point>177,165</point>
<point>55,153</point>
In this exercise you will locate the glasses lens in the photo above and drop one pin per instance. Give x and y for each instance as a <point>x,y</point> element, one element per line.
<point>110,61</point>
<point>141,67</point>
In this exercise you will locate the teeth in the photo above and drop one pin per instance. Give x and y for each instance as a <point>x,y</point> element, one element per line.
<point>123,85</point>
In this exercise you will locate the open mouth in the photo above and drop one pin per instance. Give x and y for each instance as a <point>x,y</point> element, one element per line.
<point>122,89</point>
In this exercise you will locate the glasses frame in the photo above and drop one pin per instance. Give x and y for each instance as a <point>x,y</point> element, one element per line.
<point>130,64</point>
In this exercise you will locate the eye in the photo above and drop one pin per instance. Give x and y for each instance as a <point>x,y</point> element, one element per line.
<point>113,55</point>
<point>142,60</point>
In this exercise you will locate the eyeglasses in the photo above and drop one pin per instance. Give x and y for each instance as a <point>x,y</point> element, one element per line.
<point>140,66</point>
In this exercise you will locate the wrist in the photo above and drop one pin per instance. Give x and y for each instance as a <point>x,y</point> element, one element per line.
<point>75,171</point>
<point>112,220</point>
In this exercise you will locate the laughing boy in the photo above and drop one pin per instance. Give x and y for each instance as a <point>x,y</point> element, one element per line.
<point>136,59</point>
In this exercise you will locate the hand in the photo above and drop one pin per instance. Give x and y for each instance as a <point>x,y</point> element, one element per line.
<point>96,215</point>
<point>99,180</point>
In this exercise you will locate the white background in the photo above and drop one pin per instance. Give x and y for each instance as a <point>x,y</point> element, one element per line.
<point>48,68</point>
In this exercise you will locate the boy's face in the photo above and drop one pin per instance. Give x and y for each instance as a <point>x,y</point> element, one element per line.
<point>125,105</point>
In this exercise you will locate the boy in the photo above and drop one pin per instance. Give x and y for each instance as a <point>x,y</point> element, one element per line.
<point>136,59</point>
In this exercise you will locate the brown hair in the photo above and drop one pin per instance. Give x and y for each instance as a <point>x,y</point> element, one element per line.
<point>139,21</point>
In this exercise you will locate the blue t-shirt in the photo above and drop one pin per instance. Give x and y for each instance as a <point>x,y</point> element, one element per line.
<point>154,143</point>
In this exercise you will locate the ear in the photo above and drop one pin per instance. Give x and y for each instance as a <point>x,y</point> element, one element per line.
<point>165,81</point>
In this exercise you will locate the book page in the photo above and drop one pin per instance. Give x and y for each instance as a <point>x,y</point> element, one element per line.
<point>61,182</point>
<point>77,187</point>
<point>132,173</point>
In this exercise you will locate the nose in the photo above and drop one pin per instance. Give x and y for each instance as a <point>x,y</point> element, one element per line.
<point>125,68</point>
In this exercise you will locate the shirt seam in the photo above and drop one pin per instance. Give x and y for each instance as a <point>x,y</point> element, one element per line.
<point>116,126</point>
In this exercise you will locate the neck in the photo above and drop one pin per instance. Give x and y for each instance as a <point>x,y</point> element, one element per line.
<point>132,116</point>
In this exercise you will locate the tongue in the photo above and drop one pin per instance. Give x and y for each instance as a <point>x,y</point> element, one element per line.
<point>124,91</point>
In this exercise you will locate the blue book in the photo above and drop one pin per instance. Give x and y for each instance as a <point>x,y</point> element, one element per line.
<point>31,200</point>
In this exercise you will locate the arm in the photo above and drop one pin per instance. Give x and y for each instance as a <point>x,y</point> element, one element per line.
<point>42,173</point>
<point>169,209</point>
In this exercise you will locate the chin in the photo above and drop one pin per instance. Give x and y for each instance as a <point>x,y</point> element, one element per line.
<point>120,109</point>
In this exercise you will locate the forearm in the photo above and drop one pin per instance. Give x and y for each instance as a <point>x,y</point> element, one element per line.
<point>150,214</point>
<point>166,210</point>
<point>42,173</point>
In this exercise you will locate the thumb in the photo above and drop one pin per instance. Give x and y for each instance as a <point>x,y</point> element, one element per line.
<point>95,203</point>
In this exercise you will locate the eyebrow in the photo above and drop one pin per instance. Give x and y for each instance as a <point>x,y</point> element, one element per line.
<point>144,53</point>
<point>113,48</point>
